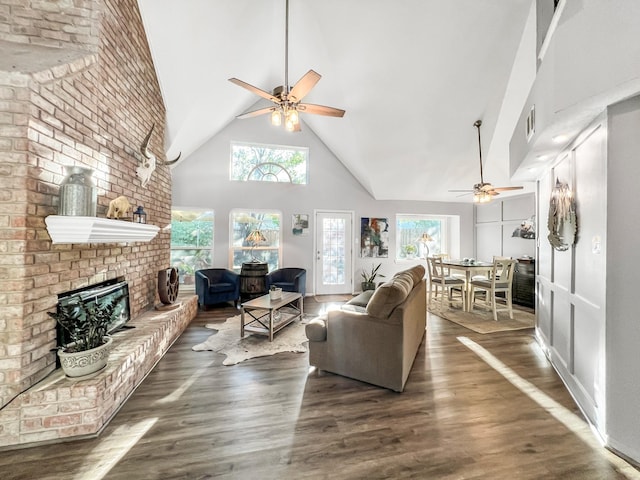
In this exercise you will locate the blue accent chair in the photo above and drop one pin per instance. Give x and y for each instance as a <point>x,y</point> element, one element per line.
<point>217,285</point>
<point>289,279</point>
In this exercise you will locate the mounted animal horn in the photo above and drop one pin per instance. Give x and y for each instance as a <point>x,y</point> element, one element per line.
<point>144,149</point>
<point>148,163</point>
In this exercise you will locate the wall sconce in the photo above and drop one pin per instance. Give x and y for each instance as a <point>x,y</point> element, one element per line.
<point>139,216</point>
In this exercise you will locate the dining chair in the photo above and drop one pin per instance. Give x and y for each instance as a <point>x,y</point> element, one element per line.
<point>443,256</point>
<point>487,275</point>
<point>501,280</point>
<point>439,278</point>
<point>447,271</point>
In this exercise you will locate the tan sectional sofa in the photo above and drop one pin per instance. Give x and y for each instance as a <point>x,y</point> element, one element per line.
<point>375,337</point>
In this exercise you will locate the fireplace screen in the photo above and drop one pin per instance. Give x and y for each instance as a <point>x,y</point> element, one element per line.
<point>118,290</point>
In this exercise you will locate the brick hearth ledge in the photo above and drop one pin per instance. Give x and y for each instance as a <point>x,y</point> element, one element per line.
<point>59,409</point>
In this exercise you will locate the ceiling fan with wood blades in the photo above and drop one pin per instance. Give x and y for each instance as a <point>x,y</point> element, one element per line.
<point>287,101</point>
<point>484,192</point>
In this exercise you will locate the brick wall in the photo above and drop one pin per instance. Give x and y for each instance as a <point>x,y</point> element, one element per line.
<point>77,87</point>
<point>59,408</point>
<point>54,23</point>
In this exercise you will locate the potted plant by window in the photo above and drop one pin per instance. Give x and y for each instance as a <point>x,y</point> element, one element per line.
<point>188,273</point>
<point>410,250</point>
<point>369,277</point>
<point>86,323</point>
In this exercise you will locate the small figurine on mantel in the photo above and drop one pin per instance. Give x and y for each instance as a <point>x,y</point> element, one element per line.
<point>119,208</point>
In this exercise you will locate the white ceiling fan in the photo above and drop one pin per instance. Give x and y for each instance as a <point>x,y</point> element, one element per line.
<point>287,101</point>
<point>484,192</point>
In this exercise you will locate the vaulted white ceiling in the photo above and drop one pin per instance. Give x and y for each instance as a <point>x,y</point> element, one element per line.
<point>412,75</point>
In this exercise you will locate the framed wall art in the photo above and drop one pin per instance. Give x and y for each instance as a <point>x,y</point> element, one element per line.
<point>300,224</point>
<point>374,237</point>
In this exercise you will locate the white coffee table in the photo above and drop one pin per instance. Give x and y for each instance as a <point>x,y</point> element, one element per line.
<point>260,315</point>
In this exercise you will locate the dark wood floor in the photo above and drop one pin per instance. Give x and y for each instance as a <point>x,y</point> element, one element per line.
<point>271,418</point>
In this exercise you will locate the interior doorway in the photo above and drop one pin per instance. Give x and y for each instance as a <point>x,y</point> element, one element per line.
<point>334,252</point>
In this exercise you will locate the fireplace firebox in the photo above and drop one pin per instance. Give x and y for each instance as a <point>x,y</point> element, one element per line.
<point>98,293</point>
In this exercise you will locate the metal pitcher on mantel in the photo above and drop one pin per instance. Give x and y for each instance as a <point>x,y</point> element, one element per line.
<point>78,194</point>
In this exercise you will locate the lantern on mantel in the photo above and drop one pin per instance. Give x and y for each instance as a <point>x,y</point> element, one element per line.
<point>140,216</point>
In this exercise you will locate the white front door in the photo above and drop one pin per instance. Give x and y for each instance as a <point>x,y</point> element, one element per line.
<point>334,253</point>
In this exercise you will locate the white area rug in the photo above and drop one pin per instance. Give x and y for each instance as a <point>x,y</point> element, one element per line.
<point>227,341</point>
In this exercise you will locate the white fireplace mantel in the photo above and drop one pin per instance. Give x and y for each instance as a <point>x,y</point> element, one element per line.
<point>77,229</point>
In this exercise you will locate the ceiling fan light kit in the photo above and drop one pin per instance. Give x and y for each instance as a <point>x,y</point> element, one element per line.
<point>481,197</point>
<point>276,118</point>
<point>291,119</point>
<point>484,192</point>
<point>287,100</point>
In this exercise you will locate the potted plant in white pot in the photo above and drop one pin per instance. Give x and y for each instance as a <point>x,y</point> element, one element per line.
<point>410,250</point>
<point>86,323</point>
<point>369,277</point>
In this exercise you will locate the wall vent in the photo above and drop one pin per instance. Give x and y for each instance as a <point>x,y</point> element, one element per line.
<point>531,123</point>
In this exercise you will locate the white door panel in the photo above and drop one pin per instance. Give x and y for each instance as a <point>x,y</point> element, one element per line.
<point>334,260</point>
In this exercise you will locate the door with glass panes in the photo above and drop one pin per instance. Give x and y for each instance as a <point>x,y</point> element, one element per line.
<point>334,252</point>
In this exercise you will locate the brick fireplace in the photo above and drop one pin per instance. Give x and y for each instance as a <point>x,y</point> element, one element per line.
<point>77,87</point>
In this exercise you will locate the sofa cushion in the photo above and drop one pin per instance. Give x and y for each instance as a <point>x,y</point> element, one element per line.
<point>389,295</point>
<point>221,287</point>
<point>316,330</point>
<point>405,277</point>
<point>362,299</point>
<point>286,286</point>
<point>353,308</point>
<point>417,273</point>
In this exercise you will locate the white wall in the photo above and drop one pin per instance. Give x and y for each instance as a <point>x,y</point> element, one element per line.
<point>571,283</point>
<point>622,258</point>
<point>202,181</point>
<point>495,223</point>
<point>593,61</point>
<point>587,298</point>
<point>587,87</point>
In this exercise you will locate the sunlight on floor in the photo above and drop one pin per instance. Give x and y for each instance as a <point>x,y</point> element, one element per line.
<point>113,448</point>
<point>177,393</point>
<point>570,420</point>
